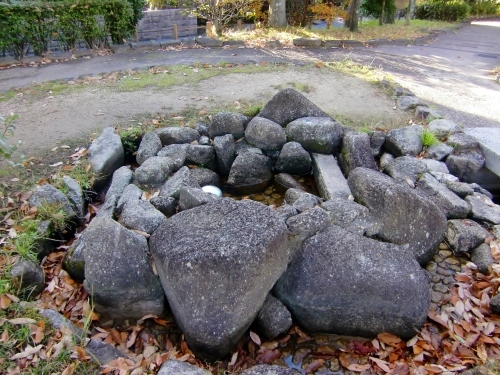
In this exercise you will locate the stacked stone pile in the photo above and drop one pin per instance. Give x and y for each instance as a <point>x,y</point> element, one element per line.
<point>348,262</point>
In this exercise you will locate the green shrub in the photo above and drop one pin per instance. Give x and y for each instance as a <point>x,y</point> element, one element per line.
<point>373,8</point>
<point>442,10</point>
<point>35,23</point>
<point>484,8</point>
<point>7,129</point>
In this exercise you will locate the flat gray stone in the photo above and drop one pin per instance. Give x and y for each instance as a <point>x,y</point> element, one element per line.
<point>484,209</point>
<point>208,42</point>
<point>177,135</point>
<point>435,165</point>
<point>444,128</point>
<point>351,216</point>
<point>306,42</point>
<point>330,181</point>
<point>461,189</point>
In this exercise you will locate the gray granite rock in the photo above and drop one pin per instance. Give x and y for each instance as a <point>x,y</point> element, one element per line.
<point>482,258</point>
<point>201,128</point>
<point>426,113</point>
<point>150,145</point>
<point>250,173</point>
<point>385,160</point>
<point>406,169</point>
<point>496,231</point>
<point>330,181</point>
<point>461,189</point>
<point>462,142</point>
<point>356,152</point>
<point>464,235</point>
<point>495,304</point>
<point>216,284</point>
<point>409,102</point>
<point>444,128</point>
<point>439,151</point>
<point>107,210</point>
<point>141,215</point>
<point>45,243</point>
<point>421,223</point>
<point>273,318</point>
<point>478,189</point>
<point>228,123</point>
<point>173,367</point>
<point>226,153</point>
<point>270,370</point>
<point>435,165</point>
<point>106,154</point>
<point>193,197</point>
<point>289,105</point>
<point>316,134</point>
<point>204,141</point>
<point>444,177</point>
<point>351,216</point>
<point>154,171</point>
<point>28,278</point>
<point>201,156</point>
<point>377,140</point>
<point>305,202</point>
<point>177,135</point>
<point>74,262</point>
<point>135,291</point>
<point>265,134</point>
<point>180,179</point>
<point>284,181</point>
<point>452,205</point>
<point>286,211</point>
<point>166,205</point>
<point>130,193</point>
<point>177,153</point>
<point>47,195</point>
<point>205,176</point>
<point>483,209</point>
<point>404,141</point>
<point>348,284</point>
<point>243,147</point>
<point>293,159</point>
<point>122,177</point>
<point>76,197</point>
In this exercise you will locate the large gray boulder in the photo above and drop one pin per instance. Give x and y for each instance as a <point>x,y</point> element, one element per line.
<point>439,151</point>
<point>316,134</point>
<point>118,272</point>
<point>217,263</point>
<point>178,135</point>
<point>141,215</point>
<point>176,153</point>
<point>406,169</point>
<point>150,145</point>
<point>173,367</point>
<point>293,159</point>
<point>131,192</point>
<point>270,370</point>
<point>181,178</point>
<point>201,156</point>
<point>377,140</point>
<point>404,216</point>
<point>482,258</point>
<point>356,152</point>
<point>289,105</point>
<point>121,179</point>
<point>351,216</point>
<point>483,209</point>
<point>250,173</point>
<point>265,134</point>
<point>464,235</point>
<point>47,196</point>
<point>228,123</point>
<point>166,205</point>
<point>153,171</point>
<point>193,197</point>
<point>462,142</point>
<point>225,150</point>
<point>452,205</point>
<point>344,283</point>
<point>435,165</point>
<point>404,141</point>
<point>106,154</point>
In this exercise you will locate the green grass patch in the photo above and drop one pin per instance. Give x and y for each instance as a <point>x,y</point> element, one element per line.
<point>252,110</point>
<point>54,213</point>
<point>428,138</point>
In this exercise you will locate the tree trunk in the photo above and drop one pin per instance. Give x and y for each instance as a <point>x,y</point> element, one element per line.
<point>277,13</point>
<point>382,14</point>
<point>352,23</point>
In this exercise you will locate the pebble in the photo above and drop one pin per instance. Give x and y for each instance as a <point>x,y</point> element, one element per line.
<point>436,297</point>
<point>452,261</point>
<point>443,246</point>
<point>448,280</point>
<point>445,253</point>
<point>436,278</point>
<point>443,265</point>
<point>443,272</point>
<point>455,268</point>
<point>431,266</point>
<point>438,259</point>
<point>440,288</point>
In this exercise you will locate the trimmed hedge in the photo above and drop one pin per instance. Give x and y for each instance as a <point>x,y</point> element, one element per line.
<point>35,24</point>
<point>442,10</point>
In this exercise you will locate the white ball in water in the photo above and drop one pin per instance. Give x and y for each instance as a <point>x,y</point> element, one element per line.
<point>212,190</point>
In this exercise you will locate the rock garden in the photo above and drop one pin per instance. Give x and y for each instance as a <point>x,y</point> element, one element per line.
<point>396,248</point>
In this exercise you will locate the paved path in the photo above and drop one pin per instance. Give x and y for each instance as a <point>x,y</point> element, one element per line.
<point>452,73</point>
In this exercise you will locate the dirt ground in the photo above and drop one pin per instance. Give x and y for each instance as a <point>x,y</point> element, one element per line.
<point>44,122</point>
